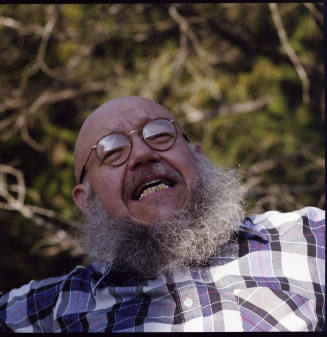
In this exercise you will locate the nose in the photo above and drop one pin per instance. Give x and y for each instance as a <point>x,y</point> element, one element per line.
<point>141,154</point>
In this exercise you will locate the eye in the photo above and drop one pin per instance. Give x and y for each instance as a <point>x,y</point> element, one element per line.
<point>160,138</point>
<point>160,134</point>
<point>113,155</point>
<point>113,149</point>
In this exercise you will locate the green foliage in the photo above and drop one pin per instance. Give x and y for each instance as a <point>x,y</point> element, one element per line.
<point>219,67</point>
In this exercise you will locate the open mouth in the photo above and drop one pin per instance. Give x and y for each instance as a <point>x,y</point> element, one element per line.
<point>152,186</point>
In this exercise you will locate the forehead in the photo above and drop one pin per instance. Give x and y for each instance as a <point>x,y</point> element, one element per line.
<point>127,117</point>
<point>123,114</point>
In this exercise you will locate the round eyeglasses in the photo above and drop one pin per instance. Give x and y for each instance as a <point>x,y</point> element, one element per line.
<point>115,148</point>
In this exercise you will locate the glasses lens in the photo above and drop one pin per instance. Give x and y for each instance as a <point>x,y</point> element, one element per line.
<point>160,134</point>
<point>113,149</point>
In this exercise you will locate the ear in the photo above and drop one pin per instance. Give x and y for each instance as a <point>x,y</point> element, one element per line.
<point>79,197</point>
<point>197,148</point>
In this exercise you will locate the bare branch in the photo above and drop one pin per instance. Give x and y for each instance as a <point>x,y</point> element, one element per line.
<point>290,52</point>
<point>56,228</point>
<point>17,203</point>
<point>56,243</point>
<point>11,103</point>
<point>251,183</point>
<point>5,123</point>
<point>34,68</point>
<point>48,28</point>
<point>51,96</point>
<point>289,198</point>
<point>241,108</point>
<point>186,29</point>
<point>22,29</point>
<point>29,140</point>
<point>39,210</point>
<point>195,115</point>
<point>269,164</point>
<point>6,169</point>
<point>19,120</point>
<point>315,13</point>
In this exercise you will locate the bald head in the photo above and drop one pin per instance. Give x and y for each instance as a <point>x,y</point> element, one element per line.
<point>99,123</point>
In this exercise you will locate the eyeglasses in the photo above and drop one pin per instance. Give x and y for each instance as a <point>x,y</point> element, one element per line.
<point>115,148</point>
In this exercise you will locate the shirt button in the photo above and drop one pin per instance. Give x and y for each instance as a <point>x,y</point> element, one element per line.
<point>188,302</point>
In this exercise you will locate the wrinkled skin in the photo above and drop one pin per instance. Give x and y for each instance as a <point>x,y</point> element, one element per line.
<point>190,237</point>
<point>109,183</point>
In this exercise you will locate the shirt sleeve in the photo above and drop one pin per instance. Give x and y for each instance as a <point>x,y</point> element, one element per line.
<point>30,307</point>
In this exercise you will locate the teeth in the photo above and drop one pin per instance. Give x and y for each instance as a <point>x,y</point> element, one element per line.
<point>153,189</point>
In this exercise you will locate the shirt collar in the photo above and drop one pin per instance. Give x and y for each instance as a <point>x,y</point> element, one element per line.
<point>100,272</point>
<point>250,227</point>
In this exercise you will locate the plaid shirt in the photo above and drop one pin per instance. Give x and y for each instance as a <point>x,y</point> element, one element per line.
<point>270,279</point>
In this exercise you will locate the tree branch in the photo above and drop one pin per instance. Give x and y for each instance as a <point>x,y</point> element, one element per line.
<point>318,16</point>
<point>241,108</point>
<point>39,60</point>
<point>195,115</point>
<point>22,29</point>
<point>186,29</point>
<point>35,213</point>
<point>290,52</point>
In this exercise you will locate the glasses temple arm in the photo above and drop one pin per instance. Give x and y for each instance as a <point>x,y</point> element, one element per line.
<point>186,138</point>
<point>183,133</point>
<point>83,172</point>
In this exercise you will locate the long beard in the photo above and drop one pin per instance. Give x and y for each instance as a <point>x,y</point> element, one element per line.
<point>189,237</point>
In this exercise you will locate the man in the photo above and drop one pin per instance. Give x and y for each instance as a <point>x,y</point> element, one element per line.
<point>168,244</point>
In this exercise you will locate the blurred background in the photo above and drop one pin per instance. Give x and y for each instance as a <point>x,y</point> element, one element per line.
<point>244,80</point>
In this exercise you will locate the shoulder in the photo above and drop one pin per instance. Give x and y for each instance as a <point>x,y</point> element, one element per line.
<point>309,216</point>
<point>43,285</point>
<point>19,304</point>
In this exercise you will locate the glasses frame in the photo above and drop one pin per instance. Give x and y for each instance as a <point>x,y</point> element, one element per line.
<point>140,134</point>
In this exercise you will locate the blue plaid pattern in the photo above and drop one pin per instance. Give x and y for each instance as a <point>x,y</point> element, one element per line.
<point>271,278</point>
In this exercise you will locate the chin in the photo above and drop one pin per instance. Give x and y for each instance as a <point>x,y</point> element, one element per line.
<point>154,217</point>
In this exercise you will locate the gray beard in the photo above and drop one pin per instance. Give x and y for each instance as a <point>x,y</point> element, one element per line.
<point>188,238</point>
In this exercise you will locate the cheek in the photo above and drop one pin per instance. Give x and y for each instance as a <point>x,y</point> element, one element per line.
<point>108,189</point>
<point>185,163</point>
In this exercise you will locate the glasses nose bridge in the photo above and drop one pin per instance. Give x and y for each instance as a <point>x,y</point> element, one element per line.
<point>140,151</point>
<point>139,133</point>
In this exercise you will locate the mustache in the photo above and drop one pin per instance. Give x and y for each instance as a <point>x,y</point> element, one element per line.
<point>145,172</point>
<point>190,237</point>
